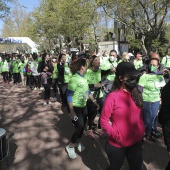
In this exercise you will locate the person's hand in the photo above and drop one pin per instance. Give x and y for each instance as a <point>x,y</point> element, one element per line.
<point>97,105</point>
<point>72,114</point>
<point>165,71</point>
<point>113,69</point>
<point>99,85</point>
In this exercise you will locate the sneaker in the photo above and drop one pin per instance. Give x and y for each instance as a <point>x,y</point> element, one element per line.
<point>156,134</point>
<point>80,147</point>
<point>45,103</point>
<point>71,152</point>
<point>41,88</point>
<point>35,88</point>
<point>149,138</point>
<point>91,134</point>
<point>101,133</point>
<point>49,102</point>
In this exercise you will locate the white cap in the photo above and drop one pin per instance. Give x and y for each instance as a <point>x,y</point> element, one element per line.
<point>130,54</point>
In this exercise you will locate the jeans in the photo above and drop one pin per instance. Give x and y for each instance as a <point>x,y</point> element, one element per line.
<point>150,111</point>
<point>134,155</point>
<point>79,124</point>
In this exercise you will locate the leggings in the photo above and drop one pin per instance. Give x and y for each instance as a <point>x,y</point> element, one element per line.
<point>134,155</point>
<point>79,124</point>
<point>5,76</point>
<point>47,91</point>
<point>92,112</point>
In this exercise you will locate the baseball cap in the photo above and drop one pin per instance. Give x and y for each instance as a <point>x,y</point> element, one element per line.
<point>130,54</point>
<point>127,68</point>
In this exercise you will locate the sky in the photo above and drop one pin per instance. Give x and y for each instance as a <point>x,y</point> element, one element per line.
<point>28,4</point>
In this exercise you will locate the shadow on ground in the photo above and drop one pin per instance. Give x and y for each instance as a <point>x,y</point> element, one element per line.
<point>42,132</point>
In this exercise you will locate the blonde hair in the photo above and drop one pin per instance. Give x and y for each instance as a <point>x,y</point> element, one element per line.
<point>124,55</point>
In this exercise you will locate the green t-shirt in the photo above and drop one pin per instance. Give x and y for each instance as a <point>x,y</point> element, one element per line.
<point>22,66</point>
<point>151,84</point>
<point>94,78</point>
<point>55,71</point>
<point>67,73</point>
<point>103,59</point>
<point>166,61</point>
<point>15,66</point>
<point>79,86</point>
<point>4,66</point>
<point>138,63</point>
<point>108,65</point>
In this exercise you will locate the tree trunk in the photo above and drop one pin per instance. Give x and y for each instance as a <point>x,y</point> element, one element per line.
<point>143,45</point>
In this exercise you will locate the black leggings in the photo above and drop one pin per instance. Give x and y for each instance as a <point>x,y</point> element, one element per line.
<point>79,124</point>
<point>134,155</point>
<point>5,76</point>
<point>47,91</point>
<point>92,112</point>
<point>62,88</point>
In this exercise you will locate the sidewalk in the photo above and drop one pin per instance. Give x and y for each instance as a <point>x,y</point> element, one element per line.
<point>42,132</point>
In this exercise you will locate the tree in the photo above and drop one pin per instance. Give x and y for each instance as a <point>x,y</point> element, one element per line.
<point>145,17</point>
<point>58,18</point>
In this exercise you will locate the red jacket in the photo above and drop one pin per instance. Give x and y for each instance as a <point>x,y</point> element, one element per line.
<point>126,127</point>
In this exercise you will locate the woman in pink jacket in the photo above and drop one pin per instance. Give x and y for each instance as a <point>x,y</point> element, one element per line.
<point>122,120</point>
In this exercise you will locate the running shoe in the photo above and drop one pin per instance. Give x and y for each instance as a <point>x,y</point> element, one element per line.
<point>80,147</point>
<point>49,102</point>
<point>71,152</point>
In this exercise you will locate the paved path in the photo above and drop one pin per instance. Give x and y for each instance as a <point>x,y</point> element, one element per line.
<point>40,134</point>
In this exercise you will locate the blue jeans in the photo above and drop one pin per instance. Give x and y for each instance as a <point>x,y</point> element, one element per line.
<point>150,111</point>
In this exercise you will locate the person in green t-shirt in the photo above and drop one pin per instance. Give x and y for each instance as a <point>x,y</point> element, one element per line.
<point>151,84</point>
<point>15,70</point>
<point>77,94</point>
<point>93,76</point>
<point>166,60</point>
<point>5,70</point>
<point>110,64</point>
<point>125,57</point>
<point>55,77</point>
<point>138,63</point>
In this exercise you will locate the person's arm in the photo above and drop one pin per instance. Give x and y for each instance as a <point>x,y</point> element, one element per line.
<point>107,111</point>
<point>69,94</point>
<point>94,101</point>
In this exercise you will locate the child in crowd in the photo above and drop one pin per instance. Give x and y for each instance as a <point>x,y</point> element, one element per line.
<point>44,82</point>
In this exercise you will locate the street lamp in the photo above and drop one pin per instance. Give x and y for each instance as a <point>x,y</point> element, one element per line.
<point>119,27</point>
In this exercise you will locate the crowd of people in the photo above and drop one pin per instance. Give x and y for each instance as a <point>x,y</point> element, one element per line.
<point>124,92</point>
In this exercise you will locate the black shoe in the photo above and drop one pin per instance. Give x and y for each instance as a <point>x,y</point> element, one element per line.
<point>156,134</point>
<point>149,138</point>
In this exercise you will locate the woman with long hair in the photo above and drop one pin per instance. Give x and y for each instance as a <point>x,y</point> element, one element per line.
<point>122,120</point>
<point>77,94</point>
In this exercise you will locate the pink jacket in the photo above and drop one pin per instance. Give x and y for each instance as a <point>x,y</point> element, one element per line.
<point>126,126</point>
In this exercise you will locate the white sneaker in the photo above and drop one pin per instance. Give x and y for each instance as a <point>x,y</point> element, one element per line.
<point>35,88</point>
<point>41,88</point>
<point>45,103</point>
<point>49,102</point>
<point>71,152</point>
<point>80,147</point>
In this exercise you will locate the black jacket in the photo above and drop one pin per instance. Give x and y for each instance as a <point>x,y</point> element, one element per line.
<point>164,114</point>
<point>60,67</point>
<point>43,64</point>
